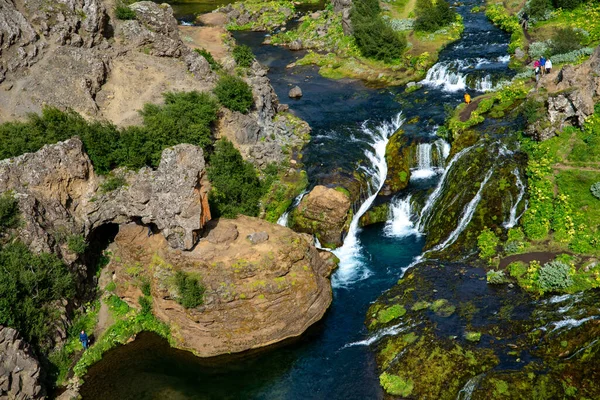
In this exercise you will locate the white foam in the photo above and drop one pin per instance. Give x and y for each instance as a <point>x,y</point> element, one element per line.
<point>399,223</point>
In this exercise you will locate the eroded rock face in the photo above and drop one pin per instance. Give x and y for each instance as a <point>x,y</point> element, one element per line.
<point>344,7</point>
<point>58,195</point>
<point>19,369</point>
<point>324,213</point>
<point>256,294</point>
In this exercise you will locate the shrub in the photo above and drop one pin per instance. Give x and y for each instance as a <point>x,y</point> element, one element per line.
<point>565,40</point>
<point>123,12</point>
<point>236,188</point>
<point>186,117</point>
<point>595,189</point>
<point>234,93</point>
<point>243,55</point>
<point>374,38</point>
<point>112,183</point>
<point>77,244</point>
<point>9,211</point>
<point>568,4</point>
<point>190,291</point>
<point>554,276</point>
<point>495,277</point>
<point>431,17</point>
<point>537,9</point>
<point>145,305</point>
<point>487,241</point>
<point>145,287</point>
<point>214,65</point>
<point>111,287</point>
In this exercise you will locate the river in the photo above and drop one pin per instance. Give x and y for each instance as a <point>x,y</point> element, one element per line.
<point>350,122</point>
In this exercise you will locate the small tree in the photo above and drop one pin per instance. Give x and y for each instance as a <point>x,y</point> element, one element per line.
<point>234,93</point>
<point>191,293</point>
<point>243,55</point>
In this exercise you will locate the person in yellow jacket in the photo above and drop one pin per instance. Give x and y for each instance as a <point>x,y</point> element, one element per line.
<point>467,98</point>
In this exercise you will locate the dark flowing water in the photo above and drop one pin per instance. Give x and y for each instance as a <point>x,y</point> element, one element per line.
<point>329,362</point>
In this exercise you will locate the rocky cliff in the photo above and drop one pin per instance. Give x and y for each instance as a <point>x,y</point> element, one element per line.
<point>19,369</point>
<point>263,283</point>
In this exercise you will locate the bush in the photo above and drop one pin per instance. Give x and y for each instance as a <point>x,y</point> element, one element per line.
<point>123,12</point>
<point>595,189</point>
<point>186,117</point>
<point>568,4</point>
<point>487,241</point>
<point>243,55</point>
<point>112,183</point>
<point>495,277</point>
<point>373,37</point>
<point>236,188</point>
<point>9,211</point>
<point>145,287</point>
<point>145,305</point>
<point>190,291</point>
<point>214,65</point>
<point>77,244</point>
<point>533,110</point>
<point>565,40</point>
<point>234,93</point>
<point>432,17</point>
<point>554,276</point>
<point>537,9</point>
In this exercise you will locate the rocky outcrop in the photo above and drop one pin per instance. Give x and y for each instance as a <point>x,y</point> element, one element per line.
<point>263,284</point>
<point>570,99</point>
<point>19,369</point>
<point>324,212</point>
<point>295,92</point>
<point>397,156</point>
<point>257,16</point>
<point>59,195</point>
<point>344,7</point>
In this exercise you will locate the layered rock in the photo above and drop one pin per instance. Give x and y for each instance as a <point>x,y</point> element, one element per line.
<point>571,98</point>
<point>263,284</point>
<point>58,195</point>
<point>20,377</point>
<point>324,212</point>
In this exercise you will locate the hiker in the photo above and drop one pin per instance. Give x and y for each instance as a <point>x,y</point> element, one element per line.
<point>537,73</point>
<point>524,20</point>
<point>467,98</point>
<point>548,66</point>
<point>83,338</point>
<point>542,63</point>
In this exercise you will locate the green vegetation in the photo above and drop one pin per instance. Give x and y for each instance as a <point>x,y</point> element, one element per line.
<point>507,22</point>
<point>390,313</point>
<point>77,244</point>
<point>487,241</point>
<point>264,14</point>
<point>374,38</point>
<point>473,336</point>
<point>9,211</point>
<point>595,189</point>
<point>145,305</point>
<point>495,277</point>
<point>431,17</point>
<point>284,187</point>
<point>243,55</point>
<point>234,93</point>
<point>395,385</point>
<point>191,292</point>
<point>214,65</point>
<point>112,183</point>
<point>554,276</point>
<point>122,10</point>
<point>565,40</point>
<point>236,187</point>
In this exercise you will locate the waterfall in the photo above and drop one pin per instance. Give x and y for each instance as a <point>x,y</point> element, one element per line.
<point>399,222</point>
<point>352,265</point>
<point>283,220</point>
<point>440,75</point>
<point>467,391</point>
<point>389,331</point>
<point>485,84</point>
<point>466,216</point>
<point>512,219</point>
<point>430,159</point>
<point>438,190</point>
<point>443,151</point>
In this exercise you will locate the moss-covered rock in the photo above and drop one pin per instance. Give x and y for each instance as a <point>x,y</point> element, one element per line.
<point>375,215</point>
<point>397,157</point>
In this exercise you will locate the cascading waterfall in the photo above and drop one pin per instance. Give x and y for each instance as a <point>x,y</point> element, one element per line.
<point>485,84</point>
<point>466,216</point>
<point>352,262</point>
<point>283,220</point>
<point>443,151</point>
<point>399,223</point>
<point>438,190</point>
<point>513,219</point>
<point>428,162</point>
<point>443,76</point>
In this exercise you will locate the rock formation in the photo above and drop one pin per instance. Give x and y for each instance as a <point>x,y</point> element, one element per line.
<point>344,7</point>
<point>264,283</point>
<point>570,97</point>
<point>59,195</point>
<point>324,213</point>
<point>19,369</point>
<point>295,92</point>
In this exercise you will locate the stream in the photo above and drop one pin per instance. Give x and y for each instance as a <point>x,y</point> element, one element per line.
<point>351,124</point>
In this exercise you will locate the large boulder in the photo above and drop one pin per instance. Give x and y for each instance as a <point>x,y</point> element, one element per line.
<point>324,212</point>
<point>255,294</point>
<point>59,194</point>
<point>19,369</point>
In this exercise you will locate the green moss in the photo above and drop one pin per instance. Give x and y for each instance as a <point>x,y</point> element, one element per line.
<point>473,336</point>
<point>442,308</point>
<point>375,215</point>
<point>397,156</point>
<point>396,385</point>
<point>420,305</point>
<point>390,313</point>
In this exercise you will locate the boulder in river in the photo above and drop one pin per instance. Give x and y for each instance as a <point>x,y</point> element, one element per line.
<point>295,92</point>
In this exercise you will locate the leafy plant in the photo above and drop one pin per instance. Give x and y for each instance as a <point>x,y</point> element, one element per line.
<point>554,276</point>
<point>487,241</point>
<point>145,287</point>
<point>191,293</point>
<point>145,305</point>
<point>495,277</point>
<point>395,385</point>
<point>234,93</point>
<point>9,211</point>
<point>123,12</point>
<point>595,189</point>
<point>431,17</point>
<point>243,55</point>
<point>77,244</point>
<point>565,40</point>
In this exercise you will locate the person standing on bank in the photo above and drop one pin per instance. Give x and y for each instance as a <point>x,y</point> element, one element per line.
<point>548,66</point>
<point>83,338</point>
<point>542,63</point>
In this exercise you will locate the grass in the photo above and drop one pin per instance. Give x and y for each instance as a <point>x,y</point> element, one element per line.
<point>577,183</point>
<point>586,17</point>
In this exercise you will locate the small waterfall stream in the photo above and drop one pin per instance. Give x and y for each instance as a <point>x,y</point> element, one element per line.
<point>430,159</point>
<point>283,220</point>
<point>399,223</point>
<point>513,219</point>
<point>352,266</point>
